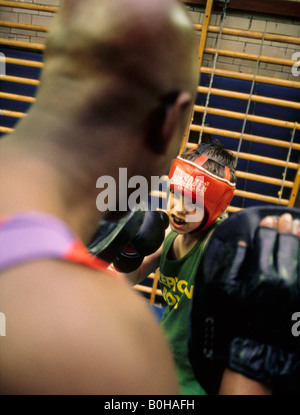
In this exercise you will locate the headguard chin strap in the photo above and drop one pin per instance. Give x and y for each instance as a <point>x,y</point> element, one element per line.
<point>190,178</point>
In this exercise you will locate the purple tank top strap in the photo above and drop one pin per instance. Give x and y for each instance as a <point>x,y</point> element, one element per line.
<point>31,236</point>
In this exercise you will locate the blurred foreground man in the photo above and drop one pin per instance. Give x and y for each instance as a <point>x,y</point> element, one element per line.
<point>116,91</point>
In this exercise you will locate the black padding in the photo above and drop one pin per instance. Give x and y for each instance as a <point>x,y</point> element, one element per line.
<point>127,263</point>
<point>147,240</point>
<point>111,237</point>
<point>245,294</point>
<point>151,233</point>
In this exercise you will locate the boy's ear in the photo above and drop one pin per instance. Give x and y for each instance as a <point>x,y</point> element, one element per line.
<point>167,120</point>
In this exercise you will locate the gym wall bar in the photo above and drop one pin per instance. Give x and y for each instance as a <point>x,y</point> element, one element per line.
<point>212,55</point>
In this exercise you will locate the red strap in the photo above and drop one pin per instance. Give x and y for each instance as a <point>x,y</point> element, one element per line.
<point>78,253</point>
<point>202,159</point>
<point>227,173</point>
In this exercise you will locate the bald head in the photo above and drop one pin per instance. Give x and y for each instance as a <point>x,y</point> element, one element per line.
<point>146,45</point>
<point>117,87</point>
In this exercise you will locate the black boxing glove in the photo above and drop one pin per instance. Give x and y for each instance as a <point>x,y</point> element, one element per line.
<point>112,236</point>
<point>246,292</point>
<point>148,239</point>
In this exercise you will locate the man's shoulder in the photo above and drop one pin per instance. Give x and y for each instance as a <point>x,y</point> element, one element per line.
<point>60,288</point>
<point>66,320</point>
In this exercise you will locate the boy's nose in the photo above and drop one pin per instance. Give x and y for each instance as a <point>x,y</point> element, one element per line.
<point>179,204</point>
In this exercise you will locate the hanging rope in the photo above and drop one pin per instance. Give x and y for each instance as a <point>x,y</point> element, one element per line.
<point>286,164</point>
<point>250,95</point>
<point>248,105</point>
<point>223,16</point>
<point>206,20</point>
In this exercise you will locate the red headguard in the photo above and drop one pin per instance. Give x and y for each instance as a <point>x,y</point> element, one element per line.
<point>191,178</point>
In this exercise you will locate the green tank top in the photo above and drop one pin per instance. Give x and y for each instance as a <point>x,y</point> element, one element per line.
<point>177,284</point>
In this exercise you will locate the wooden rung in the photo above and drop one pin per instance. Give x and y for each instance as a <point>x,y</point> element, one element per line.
<point>145,289</point>
<point>263,179</point>
<point>250,117</point>
<point>22,44</point>
<point>233,209</point>
<point>244,194</point>
<point>246,137</point>
<point>6,130</point>
<point>31,6</point>
<point>249,77</point>
<point>266,160</point>
<point>251,34</point>
<point>13,114</point>
<point>258,158</point>
<point>254,98</point>
<point>16,97</point>
<point>158,193</point>
<point>247,176</point>
<point>264,198</point>
<point>250,56</point>
<point>247,195</point>
<point>24,26</point>
<point>24,62</point>
<point>17,79</point>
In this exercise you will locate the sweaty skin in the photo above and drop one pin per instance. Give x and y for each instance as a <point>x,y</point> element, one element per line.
<point>117,89</point>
